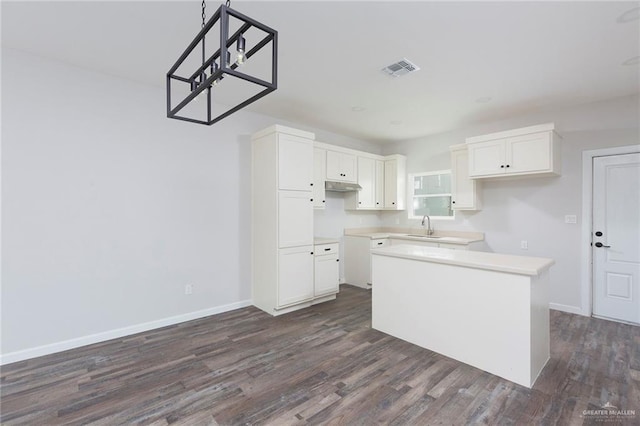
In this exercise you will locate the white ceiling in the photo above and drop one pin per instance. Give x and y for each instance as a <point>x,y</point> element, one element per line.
<point>523,55</point>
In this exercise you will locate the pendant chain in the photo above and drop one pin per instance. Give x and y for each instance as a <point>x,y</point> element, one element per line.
<point>204,15</point>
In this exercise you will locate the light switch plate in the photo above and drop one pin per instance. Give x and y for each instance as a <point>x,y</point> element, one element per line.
<point>570,218</point>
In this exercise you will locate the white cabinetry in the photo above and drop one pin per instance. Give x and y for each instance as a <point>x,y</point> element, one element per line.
<point>295,154</point>
<point>295,218</point>
<point>319,176</point>
<point>357,259</point>
<point>295,271</point>
<point>379,186</point>
<point>395,182</point>
<point>326,269</point>
<point>365,199</point>
<point>341,167</point>
<point>528,151</point>
<point>282,219</point>
<point>464,191</point>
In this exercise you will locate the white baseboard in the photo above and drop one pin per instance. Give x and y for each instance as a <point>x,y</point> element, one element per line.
<point>567,308</point>
<point>117,333</point>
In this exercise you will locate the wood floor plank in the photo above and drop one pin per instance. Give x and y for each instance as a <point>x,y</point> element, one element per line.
<point>321,365</point>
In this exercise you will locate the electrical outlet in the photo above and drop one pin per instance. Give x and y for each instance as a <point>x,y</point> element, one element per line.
<point>188,289</point>
<point>524,245</point>
<point>570,218</point>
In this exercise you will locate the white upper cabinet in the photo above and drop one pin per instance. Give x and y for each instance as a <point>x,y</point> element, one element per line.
<point>367,180</point>
<point>395,178</point>
<point>295,156</point>
<point>341,167</point>
<point>379,186</point>
<point>319,176</point>
<point>464,191</point>
<point>528,151</point>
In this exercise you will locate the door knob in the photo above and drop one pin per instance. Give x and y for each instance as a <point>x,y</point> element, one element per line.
<point>599,244</point>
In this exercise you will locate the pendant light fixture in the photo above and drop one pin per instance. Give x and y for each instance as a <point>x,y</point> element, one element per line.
<point>205,73</point>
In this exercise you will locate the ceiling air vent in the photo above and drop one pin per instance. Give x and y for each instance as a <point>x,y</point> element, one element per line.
<point>402,67</point>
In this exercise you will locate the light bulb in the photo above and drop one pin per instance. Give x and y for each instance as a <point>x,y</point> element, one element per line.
<point>240,55</point>
<point>214,69</point>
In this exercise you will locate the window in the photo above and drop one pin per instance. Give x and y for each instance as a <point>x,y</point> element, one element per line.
<point>430,195</point>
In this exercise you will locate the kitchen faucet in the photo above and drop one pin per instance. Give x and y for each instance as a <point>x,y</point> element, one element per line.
<point>429,229</point>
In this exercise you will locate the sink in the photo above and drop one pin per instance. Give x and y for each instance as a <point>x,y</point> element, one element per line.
<point>423,236</point>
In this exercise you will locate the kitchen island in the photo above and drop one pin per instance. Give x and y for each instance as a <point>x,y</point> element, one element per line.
<point>487,310</point>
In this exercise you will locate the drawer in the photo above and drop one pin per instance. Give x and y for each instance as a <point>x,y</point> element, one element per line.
<point>383,242</point>
<point>320,249</point>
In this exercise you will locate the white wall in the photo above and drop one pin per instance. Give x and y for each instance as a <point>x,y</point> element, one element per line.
<point>109,208</point>
<point>533,209</point>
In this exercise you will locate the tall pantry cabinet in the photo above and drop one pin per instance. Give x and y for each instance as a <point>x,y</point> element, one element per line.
<point>282,219</point>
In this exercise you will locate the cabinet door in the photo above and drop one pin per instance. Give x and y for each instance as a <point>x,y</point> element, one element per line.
<point>319,176</point>
<point>463,189</point>
<point>366,179</point>
<point>529,153</point>
<point>348,164</point>
<point>341,167</point>
<point>390,184</point>
<point>295,275</point>
<point>487,158</point>
<point>326,275</point>
<point>379,186</point>
<point>295,218</point>
<point>295,163</point>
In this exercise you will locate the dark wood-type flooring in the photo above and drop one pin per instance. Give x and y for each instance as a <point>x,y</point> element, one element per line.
<point>321,365</point>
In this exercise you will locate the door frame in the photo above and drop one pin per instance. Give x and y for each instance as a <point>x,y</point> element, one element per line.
<point>586,262</point>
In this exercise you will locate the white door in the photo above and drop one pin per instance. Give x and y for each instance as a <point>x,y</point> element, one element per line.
<point>528,153</point>
<point>295,218</point>
<point>616,237</point>
<point>390,184</point>
<point>487,158</point>
<point>367,180</point>
<point>319,176</point>
<point>295,275</point>
<point>295,163</point>
<point>326,274</point>
<point>379,184</point>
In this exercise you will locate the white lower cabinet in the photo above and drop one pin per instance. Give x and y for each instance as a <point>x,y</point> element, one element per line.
<point>357,259</point>
<point>326,270</point>
<point>295,275</point>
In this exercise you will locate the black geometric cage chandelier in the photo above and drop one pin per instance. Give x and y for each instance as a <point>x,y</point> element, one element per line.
<point>218,72</point>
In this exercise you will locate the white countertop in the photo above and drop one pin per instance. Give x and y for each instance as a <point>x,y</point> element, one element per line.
<point>521,265</point>
<point>437,238</point>
<point>321,240</point>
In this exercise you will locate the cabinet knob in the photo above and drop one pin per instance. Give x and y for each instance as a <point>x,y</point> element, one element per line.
<point>311,252</point>
<point>327,249</point>
<point>502,166</point>
<point>453,202</point>
<point>377,202</point>
<point>359,202</point>
<point>337,260</point>
<point>380,243</point>
<point>311,199</point>
<point>393,203</point>
<point>311,184</point>
<point>508,165</point>
<point>323,201</point>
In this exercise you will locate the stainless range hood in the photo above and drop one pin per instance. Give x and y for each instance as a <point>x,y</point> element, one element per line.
<point>341,186</point>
